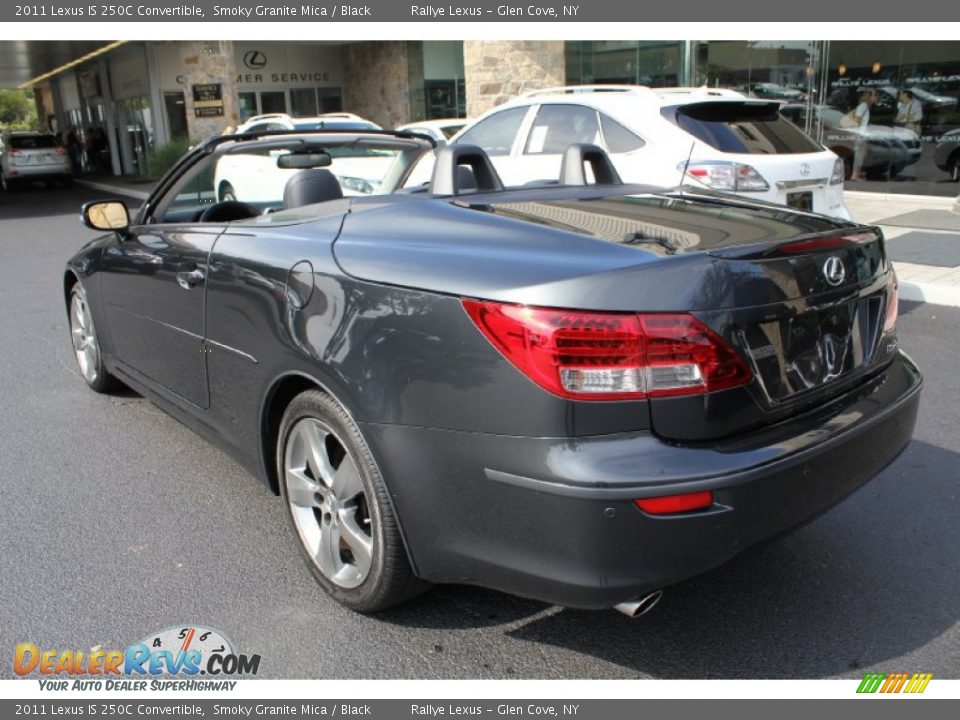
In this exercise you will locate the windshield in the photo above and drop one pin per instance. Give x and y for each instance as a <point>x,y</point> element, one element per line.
<point>257,173</point>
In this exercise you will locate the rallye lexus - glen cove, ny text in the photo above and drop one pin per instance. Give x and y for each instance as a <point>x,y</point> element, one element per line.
<point>574,391</point>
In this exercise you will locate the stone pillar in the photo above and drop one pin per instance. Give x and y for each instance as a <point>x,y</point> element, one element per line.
<point>497,71</point>
<point>383,81</point>
<point>205,62</point>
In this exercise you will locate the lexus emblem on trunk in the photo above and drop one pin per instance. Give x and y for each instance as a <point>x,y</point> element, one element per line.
<point>805,169</point>
<point>834,271</point>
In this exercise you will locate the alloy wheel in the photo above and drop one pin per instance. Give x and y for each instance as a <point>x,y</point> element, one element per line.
<point>328,503</point>
<point>84,336</point>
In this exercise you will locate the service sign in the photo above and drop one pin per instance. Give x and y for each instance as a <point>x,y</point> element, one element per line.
<point>207,100</point>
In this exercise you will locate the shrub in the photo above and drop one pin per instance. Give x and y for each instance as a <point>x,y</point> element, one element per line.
<point>161,158</point>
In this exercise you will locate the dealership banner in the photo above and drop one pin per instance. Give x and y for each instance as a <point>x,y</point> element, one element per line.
<point>323,709</point>
<point>573,11</point>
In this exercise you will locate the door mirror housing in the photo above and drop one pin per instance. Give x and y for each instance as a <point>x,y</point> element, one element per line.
<point>106,215</point>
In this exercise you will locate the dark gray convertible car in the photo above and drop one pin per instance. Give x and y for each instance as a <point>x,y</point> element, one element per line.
<point>577,390</point>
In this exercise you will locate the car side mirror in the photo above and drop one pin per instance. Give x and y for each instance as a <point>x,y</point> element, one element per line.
<point>106,215</point>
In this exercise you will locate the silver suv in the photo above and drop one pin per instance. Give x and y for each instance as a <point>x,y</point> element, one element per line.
<point>29,156</point>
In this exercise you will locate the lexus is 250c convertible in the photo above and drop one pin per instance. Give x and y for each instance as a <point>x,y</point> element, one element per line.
<point>577,390</point>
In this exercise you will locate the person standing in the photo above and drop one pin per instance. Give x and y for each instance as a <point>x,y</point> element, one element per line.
<point>909,111</point>
<point>75,150</point>
<point>861,116</point>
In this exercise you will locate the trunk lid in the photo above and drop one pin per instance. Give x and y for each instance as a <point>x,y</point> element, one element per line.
<point>801,297</point>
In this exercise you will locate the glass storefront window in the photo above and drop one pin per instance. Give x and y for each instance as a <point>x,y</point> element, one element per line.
<point>303,102</point>
<point>247,105</point>
<point>912,89</point>
<point>273,101</point>
<point>652,63</point>
<point>331,99</point>
<point>175,107</point>
<point>445,99</point>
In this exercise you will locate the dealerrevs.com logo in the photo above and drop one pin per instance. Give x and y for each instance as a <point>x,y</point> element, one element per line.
<point>186,657</point>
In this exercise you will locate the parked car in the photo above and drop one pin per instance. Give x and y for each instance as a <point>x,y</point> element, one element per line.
<point>574,392</point>
<point>946,154</point>
<point>436,129</point>
<point>888,149</point>
<point>260,177</point>
<point>27,157</point>
<point>329,121</point>
<point>773,91</point>
<point>664,136</point>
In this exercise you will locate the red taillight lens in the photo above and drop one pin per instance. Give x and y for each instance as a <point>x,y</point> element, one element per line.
<point>669,504</point>
<point>16,153</point>
<point>610,356</point>
<point>893,304</point>
<point>812,245</point>
<point>61,151</point>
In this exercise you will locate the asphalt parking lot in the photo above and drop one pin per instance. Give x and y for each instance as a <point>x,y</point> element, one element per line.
<point>117,521</point>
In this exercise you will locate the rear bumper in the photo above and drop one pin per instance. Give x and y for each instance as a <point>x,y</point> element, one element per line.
<point>554,519</point>
<point>39,172</point>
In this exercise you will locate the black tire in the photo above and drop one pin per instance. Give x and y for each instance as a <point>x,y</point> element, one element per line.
<point>7,185</point>
<point>92,370</point>
<point>954,167</point>
<point>389,579</point>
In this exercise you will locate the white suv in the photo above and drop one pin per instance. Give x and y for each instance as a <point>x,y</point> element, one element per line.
<point>328,121</point>
<point>664,136</point>
<point>29,156</point>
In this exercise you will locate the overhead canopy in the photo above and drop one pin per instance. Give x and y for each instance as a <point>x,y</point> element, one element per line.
<point>24,60</point>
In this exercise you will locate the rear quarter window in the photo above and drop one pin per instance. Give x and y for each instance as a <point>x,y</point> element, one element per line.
<point>743,128</point>
<point>617,137</point>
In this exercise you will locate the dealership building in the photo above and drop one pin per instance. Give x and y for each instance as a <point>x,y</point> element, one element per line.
<point>146,94</point>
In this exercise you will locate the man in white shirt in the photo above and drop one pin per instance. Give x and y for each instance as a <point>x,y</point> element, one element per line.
<point>909,111</point>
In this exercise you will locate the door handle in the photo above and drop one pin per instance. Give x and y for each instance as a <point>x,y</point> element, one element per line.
<point>187,280</point>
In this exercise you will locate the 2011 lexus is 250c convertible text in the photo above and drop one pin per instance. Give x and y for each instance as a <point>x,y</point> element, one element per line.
<point>576,390</point>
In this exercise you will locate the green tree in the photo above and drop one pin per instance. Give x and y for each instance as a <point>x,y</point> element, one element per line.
<point>18,111</point>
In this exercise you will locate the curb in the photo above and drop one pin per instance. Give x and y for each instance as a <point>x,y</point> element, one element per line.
<point>114,189</point>
<point>929,293</point>
<point>926,200</point>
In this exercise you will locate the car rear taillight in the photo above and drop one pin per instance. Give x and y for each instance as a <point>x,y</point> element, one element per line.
<point>16,153</point>
<point>725,175</point>
<point>670,504</point>
<point>610,356</point>
<point>893,304</point>
<point>61,150</point>
<point>839,171</point>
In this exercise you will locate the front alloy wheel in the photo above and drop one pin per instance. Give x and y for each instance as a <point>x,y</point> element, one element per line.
<point>339,507</point>
<point>86,346</point>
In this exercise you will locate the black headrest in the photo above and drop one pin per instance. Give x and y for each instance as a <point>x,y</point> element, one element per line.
<point>466,182</point>
<point>311,186</point>
<point>572,171</point>
<point>228,211</point>
<point>447,177</point>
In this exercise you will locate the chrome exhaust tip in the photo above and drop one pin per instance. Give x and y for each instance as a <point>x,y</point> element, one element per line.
<point>641,605</point>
